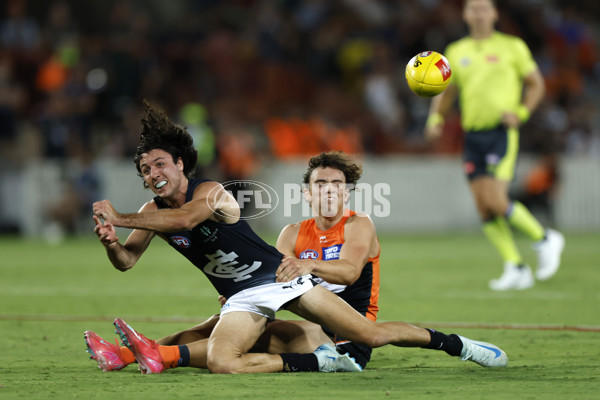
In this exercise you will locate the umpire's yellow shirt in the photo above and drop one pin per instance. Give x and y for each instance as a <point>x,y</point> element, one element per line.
<point>489,74</point>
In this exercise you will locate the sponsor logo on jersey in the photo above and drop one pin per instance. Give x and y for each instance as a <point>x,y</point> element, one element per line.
<point>332,252</point>
<point>492,58</point>
<point>323,239</point>
<point>464,62</point>
<point>210,236</point>
<point>425,54</point>
<point>444,69</point>
<point>181,241</point>
<point>309,253</point>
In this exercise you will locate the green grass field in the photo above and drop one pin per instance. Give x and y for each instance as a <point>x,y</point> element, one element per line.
<point>50,294</point>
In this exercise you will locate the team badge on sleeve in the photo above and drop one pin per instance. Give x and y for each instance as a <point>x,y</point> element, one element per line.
<point>181,241</point>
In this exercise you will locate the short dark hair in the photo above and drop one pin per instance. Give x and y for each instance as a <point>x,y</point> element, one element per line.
<point>336,160</point>
<point>159,132</point>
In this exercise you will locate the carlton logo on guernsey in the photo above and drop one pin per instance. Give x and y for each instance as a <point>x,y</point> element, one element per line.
<point>232,256</point>
<point>224,265</point>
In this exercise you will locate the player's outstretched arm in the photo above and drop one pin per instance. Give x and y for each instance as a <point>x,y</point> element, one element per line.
<point>210,200</point>
<point>123,257</point>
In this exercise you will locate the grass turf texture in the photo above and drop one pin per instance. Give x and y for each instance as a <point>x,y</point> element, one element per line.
<point>50,294</point>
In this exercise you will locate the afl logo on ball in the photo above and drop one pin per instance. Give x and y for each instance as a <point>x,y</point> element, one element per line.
<point>181,241</point>
<point>444,68</point>
<point>309,254</point>
<point>425,53</point>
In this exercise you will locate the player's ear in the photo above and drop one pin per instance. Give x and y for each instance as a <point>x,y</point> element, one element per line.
<point>306,192</point>
<point>348,188</point>
<point>180,164</point>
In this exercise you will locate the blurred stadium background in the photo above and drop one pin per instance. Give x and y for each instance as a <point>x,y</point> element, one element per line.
<point>264,84</point>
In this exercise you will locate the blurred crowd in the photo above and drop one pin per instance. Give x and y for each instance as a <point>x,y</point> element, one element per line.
<point>255,80</point>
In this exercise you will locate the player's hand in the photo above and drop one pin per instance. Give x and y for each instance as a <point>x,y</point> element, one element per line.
<point>105,232</point>
<point>510,120</point>
<point>291,268</point>
<point>104,210</point>
<point>433,132</point>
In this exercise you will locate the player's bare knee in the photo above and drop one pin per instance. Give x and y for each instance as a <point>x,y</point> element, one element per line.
<point>222,365</point>
<point>374,337</point>
<point>379,339</point>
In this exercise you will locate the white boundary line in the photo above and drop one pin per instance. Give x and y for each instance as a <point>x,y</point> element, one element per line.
<point>192,320</point>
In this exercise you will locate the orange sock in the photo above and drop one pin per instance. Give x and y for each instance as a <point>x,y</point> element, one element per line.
<point>127,355</point>
<point>170,355</point>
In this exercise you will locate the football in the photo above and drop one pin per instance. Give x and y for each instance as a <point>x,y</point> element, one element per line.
<point>428,73</point>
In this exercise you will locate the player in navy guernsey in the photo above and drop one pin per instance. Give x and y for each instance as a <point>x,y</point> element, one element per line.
<point>232,256</point>
<point>202,220</point>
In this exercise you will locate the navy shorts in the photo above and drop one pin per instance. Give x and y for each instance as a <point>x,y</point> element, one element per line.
<point>491,152</point>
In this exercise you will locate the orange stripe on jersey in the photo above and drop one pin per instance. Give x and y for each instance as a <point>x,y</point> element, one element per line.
<point>316,244</point>
<point>374,299</point>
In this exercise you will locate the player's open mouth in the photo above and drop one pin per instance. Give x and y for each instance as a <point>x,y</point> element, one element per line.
<point>160,184</point>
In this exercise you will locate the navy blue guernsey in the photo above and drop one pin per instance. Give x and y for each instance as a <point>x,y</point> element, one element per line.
<point>232,256</point>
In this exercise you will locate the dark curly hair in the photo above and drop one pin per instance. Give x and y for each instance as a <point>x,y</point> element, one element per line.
<point>159,132</point>
<point>336,160</point>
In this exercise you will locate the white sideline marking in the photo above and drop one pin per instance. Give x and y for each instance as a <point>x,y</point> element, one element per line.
<point>192,320</point>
